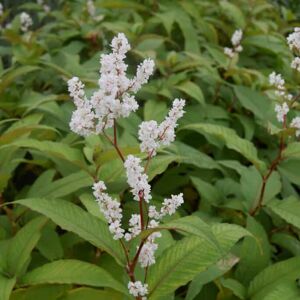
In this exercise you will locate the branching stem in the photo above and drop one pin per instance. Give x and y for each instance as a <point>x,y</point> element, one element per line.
<point>272,168</point>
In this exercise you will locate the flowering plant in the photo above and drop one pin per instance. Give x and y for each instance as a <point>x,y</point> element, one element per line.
<point>117,207</point>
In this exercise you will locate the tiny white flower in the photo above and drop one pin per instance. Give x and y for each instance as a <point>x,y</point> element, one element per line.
<point>236,39</point>
<point>1,9</point>
<point>277,81</point>
<point>26,21</point>
<point>137,179</point>
<point>137,289</point>
<point>91,8</point>
<point>281,111</point>
<point>294,39</point>
<point>229,52</point>
<point>296,124</point>
<point>296,64</point>
<point>153,135</point>
<point>169,207</point>
<point>110,208</point>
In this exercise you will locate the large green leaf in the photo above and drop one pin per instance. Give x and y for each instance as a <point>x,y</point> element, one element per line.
<point>254,257</point>
<point>74,272</point>
<point>231,140</point>
<point>64,186</point>
<point>53,149</point>
<point>12,74</point>
<point>267,280</point>
<point>193,90</point>
<point>255,102</point>
<point>45,292</point>
<point>292,150</point>
<point>213,272</point>
<point>288,209</point>
<point>92,294</point>
<point>22,244</point>
<point>71,217</point>
<point>188,225</point>
<point>188,257</point>
<point>284,290</point>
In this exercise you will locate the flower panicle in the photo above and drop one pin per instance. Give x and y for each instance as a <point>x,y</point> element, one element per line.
<point>236,40</point>
<point>115,97</point>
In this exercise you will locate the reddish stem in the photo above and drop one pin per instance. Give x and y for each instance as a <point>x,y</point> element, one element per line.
<point>141,198</point>
<point>265,178</point>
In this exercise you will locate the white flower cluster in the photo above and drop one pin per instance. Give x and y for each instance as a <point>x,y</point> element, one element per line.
<point>25,21</point>
<point>278,82</point>
<point>294,43</point>
<point>114,98</point>
<point>137,289</point>
<point>153,135</point>
<point>281,111</point>
<point>169,207</point>
<point>296,124</point>
<point>91,8</point>
<point>236,43</point>
<point>1,9</point>
<point>110,208</point>
<point>137,179</point>
<point>134,227</point>
<point>147,255</point>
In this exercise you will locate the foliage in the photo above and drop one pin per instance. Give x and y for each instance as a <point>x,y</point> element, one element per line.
<point>237,234</point>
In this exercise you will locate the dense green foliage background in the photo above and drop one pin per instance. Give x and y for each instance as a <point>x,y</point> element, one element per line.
<point>225,144</point>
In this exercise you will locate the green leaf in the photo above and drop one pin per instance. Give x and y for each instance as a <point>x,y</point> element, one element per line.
<point>159,164</point>
<point>49,244</point>
<point>231,140</point>
<point>235,286</point>
<point>92,294</point>
<point>22,244</point>
<point>192,90</point>
<point>228,234</point>
<point>189,155</point>
<point>207,190</point>
<point>212,273</point>
<point>188,257</point>
<point>292,150</point>
<point>255,102</point>
<point>284,290</point>
<point>188,30</point>
<point>53,149</point>
<point>71,217</point>
<point>287,241</point>
<point>290,169</point>
<point>155,110</point>
<point>288,209</point>
<point>64,186</point>
<point>6,286</point>
<point>11,75</point>
<point>267,280</point>
<point>71,271</point>
<point>179,264</point>
<point>254,256</point>
<point>45,292</point>
<point>233,13</point>
<point>187,225</point>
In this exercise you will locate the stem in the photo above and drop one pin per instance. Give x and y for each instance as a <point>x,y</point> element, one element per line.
<point>114,142</point>
<point>135,259</point>
<point>265,178</point>
<point>146,273</point>
<point>125,251</point>
<point>141,198</point>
